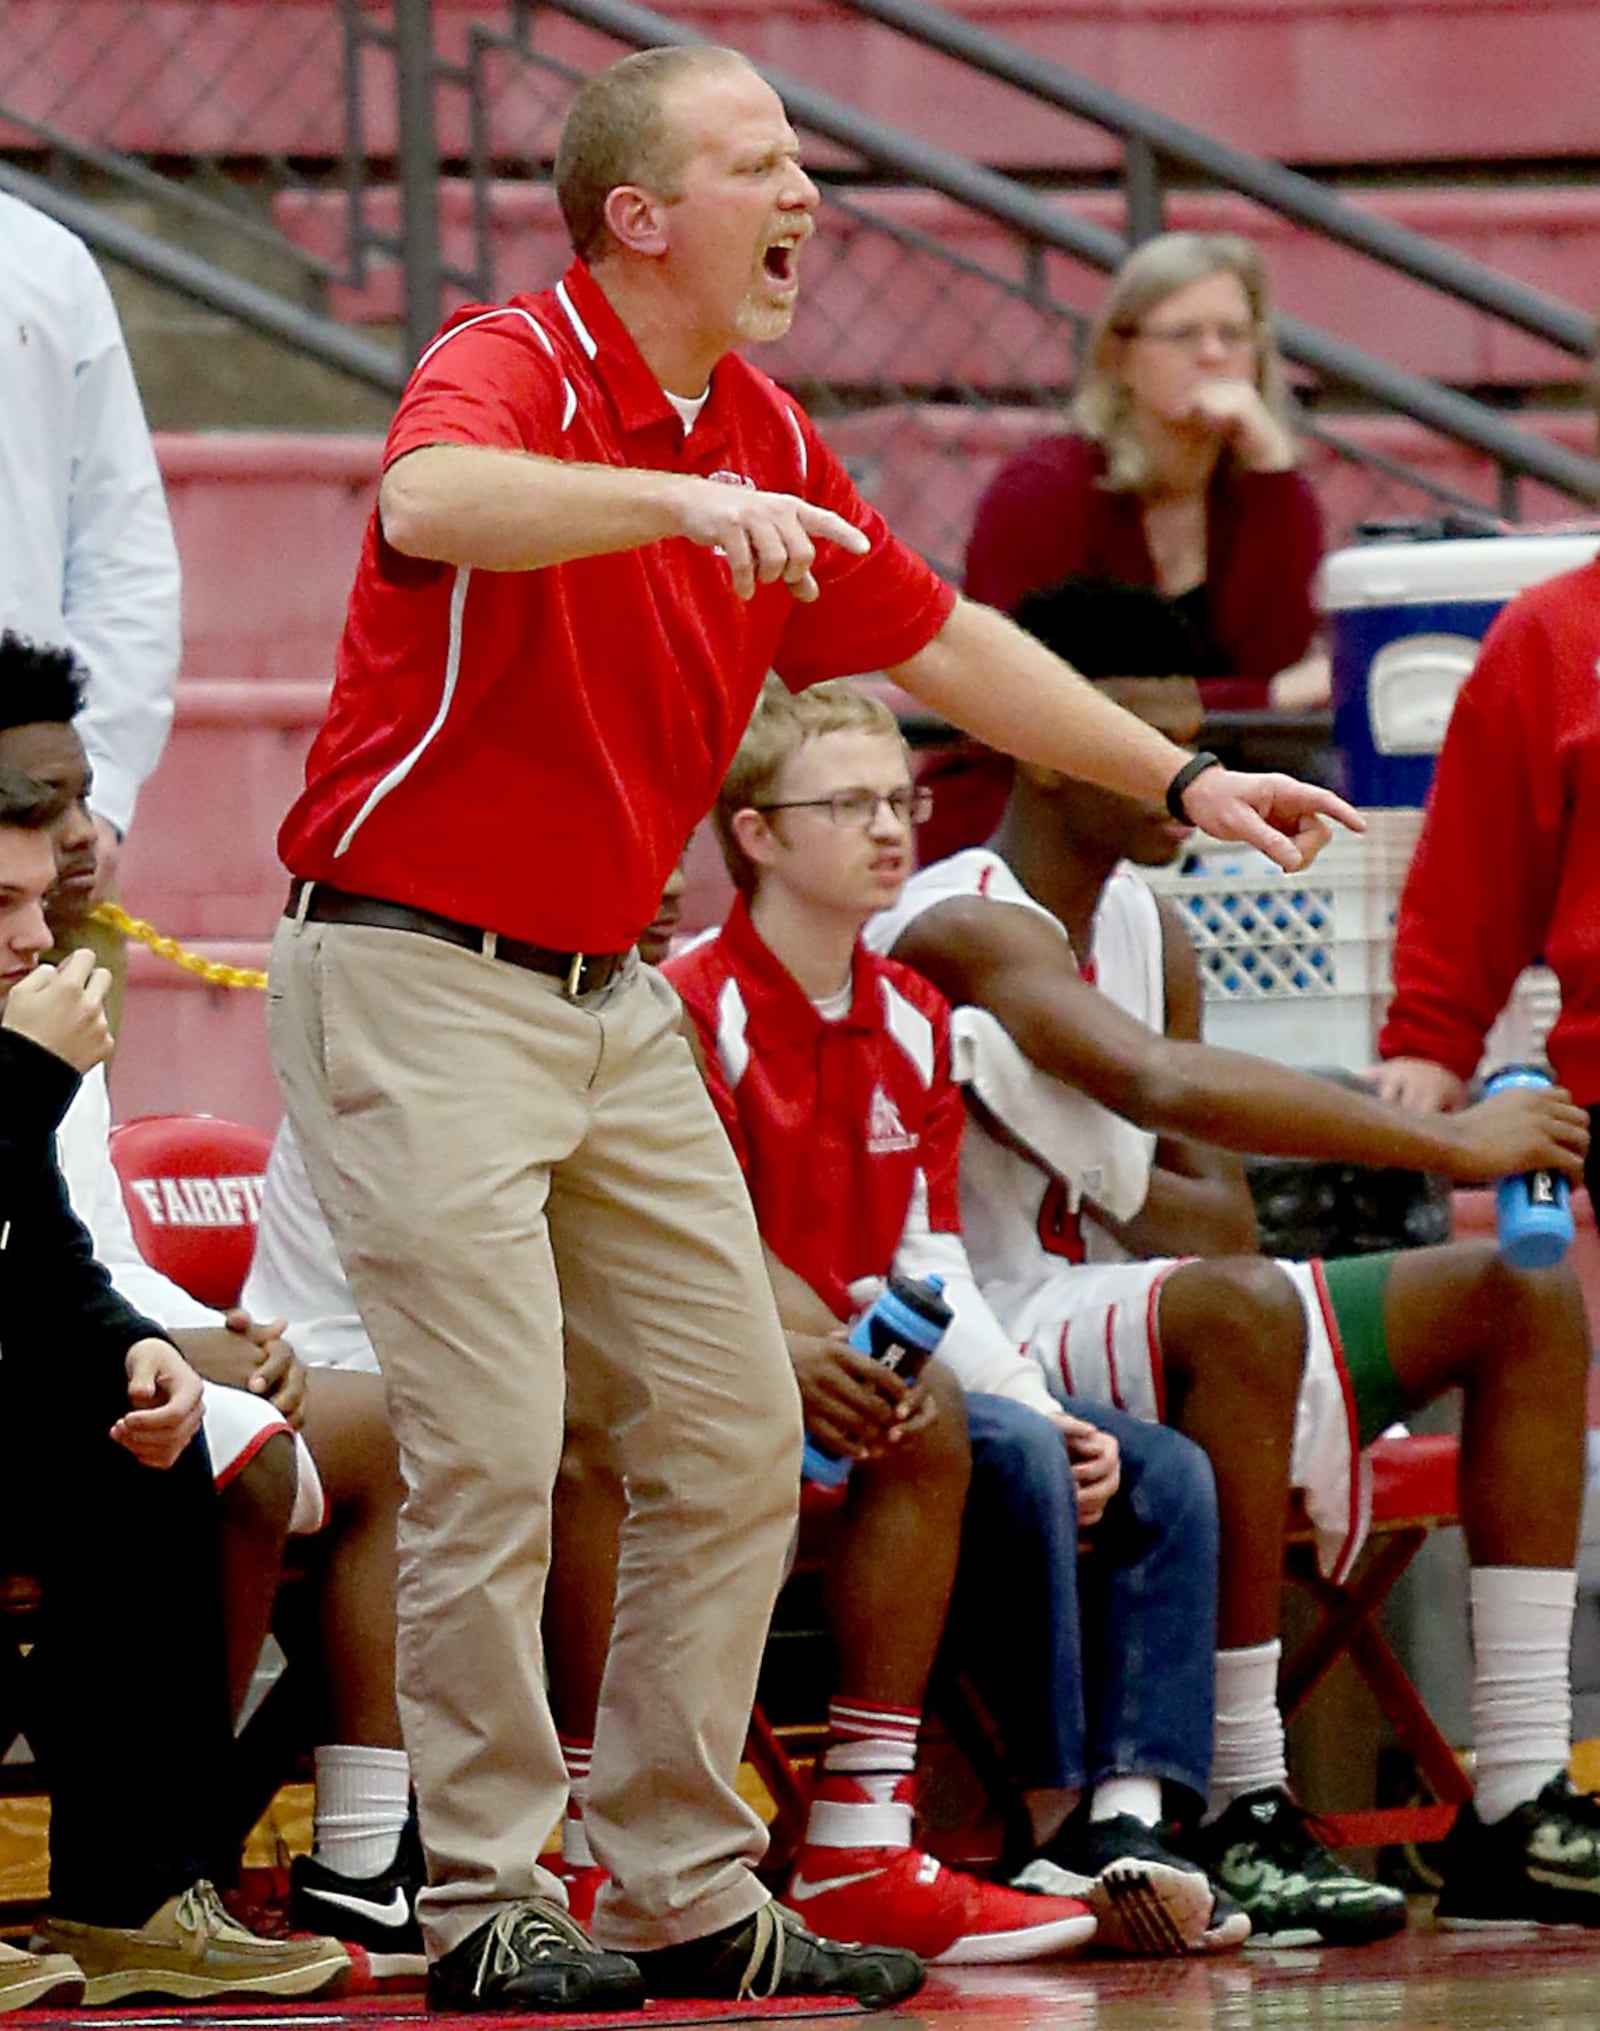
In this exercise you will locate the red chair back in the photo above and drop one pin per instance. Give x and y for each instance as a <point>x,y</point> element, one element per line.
<point>192,1185</point>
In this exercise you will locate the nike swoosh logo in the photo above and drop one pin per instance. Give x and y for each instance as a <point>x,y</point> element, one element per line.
<point>801,1887</point>
<point>396,1912</point>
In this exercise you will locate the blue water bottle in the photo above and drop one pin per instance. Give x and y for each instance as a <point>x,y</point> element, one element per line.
<point>901,1330</point>
<point>1533,1210</point>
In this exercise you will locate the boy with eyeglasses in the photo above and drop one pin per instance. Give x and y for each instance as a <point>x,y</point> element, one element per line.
<point>830,1070</point>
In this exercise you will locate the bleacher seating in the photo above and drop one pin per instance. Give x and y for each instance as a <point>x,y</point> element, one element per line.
<point>269,529</point>
<point>1305,81</point>
<point>1543,237</point>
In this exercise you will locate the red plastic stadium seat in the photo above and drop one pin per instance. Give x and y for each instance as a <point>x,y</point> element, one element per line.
<point>192,1185</point>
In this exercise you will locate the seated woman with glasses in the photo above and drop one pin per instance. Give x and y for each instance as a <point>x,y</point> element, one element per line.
<point>1179,475</point>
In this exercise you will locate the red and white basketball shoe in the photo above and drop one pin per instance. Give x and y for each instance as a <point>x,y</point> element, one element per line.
<point>901,1897</point>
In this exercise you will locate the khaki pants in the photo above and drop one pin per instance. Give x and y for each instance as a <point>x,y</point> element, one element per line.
<point>491,1156</point>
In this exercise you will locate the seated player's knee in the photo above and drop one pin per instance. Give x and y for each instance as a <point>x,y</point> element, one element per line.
<point>589,1476</point>
<point>937,1450</point>
<point>1240,1319</point>
<point>1531,1319</point>
<point>259,1500</point>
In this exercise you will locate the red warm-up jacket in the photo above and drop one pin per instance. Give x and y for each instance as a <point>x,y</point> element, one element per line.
<point>1508,867</point>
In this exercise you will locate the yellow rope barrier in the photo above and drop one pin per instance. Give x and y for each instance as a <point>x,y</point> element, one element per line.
<point>215,971</point>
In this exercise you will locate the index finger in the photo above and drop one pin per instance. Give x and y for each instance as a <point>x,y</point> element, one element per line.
<point>77,966</point>
<point>1316,802</point>
<point>831,528</point>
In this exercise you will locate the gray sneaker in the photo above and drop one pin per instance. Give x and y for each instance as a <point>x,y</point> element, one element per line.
<point>191,1948</point>
<point>1263,1851</point>
<point>27,1978</point>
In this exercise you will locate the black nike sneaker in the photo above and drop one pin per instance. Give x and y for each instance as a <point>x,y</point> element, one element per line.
<point>1540,1865</point>
<point>377,1913</point>
<point>1264,1853</point>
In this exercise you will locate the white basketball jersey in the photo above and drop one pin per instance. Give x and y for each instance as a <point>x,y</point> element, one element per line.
<point>1019,1204</point>
<point>1068,1294</point>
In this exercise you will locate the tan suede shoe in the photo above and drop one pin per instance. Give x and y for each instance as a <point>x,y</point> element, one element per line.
<point>38,1978</point>
<point>192,1948</point>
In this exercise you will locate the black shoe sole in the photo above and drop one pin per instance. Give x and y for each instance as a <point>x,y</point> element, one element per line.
<point>525,1998</point>
<point>1325,1932</point>
<point>688,1985</point>
<point>1551,1907</point>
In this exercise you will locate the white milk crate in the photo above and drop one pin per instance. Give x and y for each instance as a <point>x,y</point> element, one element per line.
<point>1297,967</point>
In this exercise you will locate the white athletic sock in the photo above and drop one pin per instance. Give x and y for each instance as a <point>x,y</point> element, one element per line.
<point>1128,1798</point>
<point>575,1848</point>
<point>1249,1753</point>
<point>363,1796</point>
<point>1521,1682</point>
<point>866,1779</point>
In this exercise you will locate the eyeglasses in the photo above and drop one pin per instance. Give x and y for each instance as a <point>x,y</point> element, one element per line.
<point>1189,338</point>
<point>859,807</point>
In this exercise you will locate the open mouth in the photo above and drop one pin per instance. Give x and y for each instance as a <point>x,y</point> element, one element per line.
<point>781,262</point>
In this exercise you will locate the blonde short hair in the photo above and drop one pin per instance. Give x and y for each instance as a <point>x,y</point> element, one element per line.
<point>616,132</point>
<point>1151,273</point>
<point>781,725</point>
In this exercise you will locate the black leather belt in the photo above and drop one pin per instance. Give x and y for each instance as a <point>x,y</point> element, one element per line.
<point>578,972</point>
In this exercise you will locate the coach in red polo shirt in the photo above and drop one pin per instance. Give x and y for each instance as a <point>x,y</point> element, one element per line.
<point>597,529</point>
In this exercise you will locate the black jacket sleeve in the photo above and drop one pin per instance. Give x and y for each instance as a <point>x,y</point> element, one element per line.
<point>53,1294</point>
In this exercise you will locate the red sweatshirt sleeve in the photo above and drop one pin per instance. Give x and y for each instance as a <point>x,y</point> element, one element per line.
<point>1477,902</point>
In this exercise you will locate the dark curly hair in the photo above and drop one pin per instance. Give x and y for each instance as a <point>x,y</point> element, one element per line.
<point>38,683</point>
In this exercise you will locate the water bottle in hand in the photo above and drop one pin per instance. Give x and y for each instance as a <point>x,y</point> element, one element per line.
<point>900,1331</point>
<point>1533,1210</point>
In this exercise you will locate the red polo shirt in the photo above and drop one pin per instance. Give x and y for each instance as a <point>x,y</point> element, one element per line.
<point>838,1126</point>
<point>528,751</point>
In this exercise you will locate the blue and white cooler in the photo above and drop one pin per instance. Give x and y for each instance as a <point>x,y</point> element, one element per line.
<point>1298,968</point>
<point>1405,620</point>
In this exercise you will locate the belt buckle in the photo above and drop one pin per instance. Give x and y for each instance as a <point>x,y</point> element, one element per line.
<point>574,981</point>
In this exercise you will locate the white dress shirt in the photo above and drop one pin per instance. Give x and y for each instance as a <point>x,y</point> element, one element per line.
<point>87,557</point>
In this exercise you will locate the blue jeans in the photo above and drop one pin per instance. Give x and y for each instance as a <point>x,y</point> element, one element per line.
<point>1101,1667</point>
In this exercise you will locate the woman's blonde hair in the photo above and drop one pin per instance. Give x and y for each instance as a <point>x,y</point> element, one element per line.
<point>1154,271</point>
<point>783,722</point>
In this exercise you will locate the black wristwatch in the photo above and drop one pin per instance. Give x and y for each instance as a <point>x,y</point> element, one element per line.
<point>1196,765</point>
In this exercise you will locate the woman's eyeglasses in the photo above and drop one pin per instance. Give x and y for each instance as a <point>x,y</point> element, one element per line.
<point>1190,338</point>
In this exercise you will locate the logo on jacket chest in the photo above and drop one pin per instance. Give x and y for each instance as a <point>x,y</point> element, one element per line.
<point>887,1134</point>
